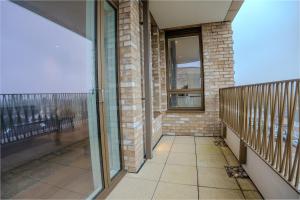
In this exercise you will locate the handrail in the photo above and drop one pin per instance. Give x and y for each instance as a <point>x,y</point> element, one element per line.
<point>266,116</point>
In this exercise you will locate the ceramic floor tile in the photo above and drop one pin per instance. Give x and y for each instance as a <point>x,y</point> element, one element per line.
<point>246,184</point>
<point>217,162</point>
<point>183,148</point>
<point>150,171</point>
<point>184,140</point>
<point>187,159</point>
<point>175,191</point>
<point>232,160</point>
<point>159,156</point>
<point>204,140</point>
<point>252,195</point>
<point>209,157</point>
<point>163,146</point>
<point>133,188</point>
<point>179,174</point>
<point>167,139</point>
<point>208,150</point>
<point>215,177</point>
<point>213,193</point>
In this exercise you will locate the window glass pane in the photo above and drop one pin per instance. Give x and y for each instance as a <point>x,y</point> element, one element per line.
<point>184,63</point>
<point>111,89</point>
<point>185,100</point>
<point>49,131</point>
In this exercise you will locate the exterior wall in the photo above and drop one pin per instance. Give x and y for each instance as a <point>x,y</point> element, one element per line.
<point>156,69</point>
<point>130,84</point>
<point>157,129</point>
<point>218,73</point>
<point>162,61</point>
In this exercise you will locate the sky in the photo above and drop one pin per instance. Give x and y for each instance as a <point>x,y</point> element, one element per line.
<point>265,34</point>
<point>266,41</point>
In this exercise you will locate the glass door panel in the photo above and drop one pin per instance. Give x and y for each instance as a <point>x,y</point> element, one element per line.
<point>49,121</point>
<point>111,89</point>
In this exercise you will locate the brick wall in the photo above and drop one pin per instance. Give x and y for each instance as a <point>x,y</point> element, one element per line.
<point>162,61</point>
<point>130,84</point>
<point>156,69</point>
<point>218,73</point>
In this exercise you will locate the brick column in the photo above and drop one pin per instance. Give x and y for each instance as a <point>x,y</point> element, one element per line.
<point>130,84</point>
<point>162,61</point>
<point>156,69</point>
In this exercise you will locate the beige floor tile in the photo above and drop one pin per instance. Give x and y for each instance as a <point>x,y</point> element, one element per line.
<point>150,171</point>
<point>232,160</point>
<point>215,177</point>
<point>213,193</point>
<point>226,151</point>
<point>133,188</point>
<point>217,162</point>
<point>187,159</point>
<point>167,139</point>
<point>159,156</point>
<point>252,195</point>
<point>204,140</point>
<point>209,157</point>
<point>246,184</point>
<point>175,191</point>
<point>179,174</point>
<point>163,146</point>
<point>183,148</point>
<point>208,150</point>
<point>184,140</point>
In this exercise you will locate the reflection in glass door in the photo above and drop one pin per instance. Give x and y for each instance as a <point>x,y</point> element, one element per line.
<point>111,89</point>
<point>49,122</point>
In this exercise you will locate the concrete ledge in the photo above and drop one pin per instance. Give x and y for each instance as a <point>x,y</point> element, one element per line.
<point>270,184</point>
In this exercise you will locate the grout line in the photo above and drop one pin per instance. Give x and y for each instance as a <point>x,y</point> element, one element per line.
<point>197,167</point>
<point>256,189</point>
<point>165,163</point>
<point>238,184</point>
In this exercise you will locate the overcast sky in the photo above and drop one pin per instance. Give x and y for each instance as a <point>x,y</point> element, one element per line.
<point>41,56</point>
<point>266,41</point>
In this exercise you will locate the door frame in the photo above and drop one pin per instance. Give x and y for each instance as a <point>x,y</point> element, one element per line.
<point>108,183</point>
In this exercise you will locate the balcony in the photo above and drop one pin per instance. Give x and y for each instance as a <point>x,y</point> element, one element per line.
<point>187,167</point>
<point>129,100</point>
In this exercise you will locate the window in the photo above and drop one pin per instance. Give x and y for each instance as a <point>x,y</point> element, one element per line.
<point>185,70</point>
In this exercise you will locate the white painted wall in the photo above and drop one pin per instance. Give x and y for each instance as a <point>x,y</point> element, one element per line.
<point>233,142</point>
<point>267,181</point>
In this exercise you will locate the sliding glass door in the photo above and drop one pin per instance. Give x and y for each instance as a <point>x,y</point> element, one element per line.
<point>111,89</point>
<point>59,133</point>
<point>49,115</point>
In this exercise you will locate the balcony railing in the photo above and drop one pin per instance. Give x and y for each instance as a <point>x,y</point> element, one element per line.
<point>267,118</point>
<point>27,115</point>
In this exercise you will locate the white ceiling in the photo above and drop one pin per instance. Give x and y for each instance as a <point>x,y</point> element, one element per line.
<point>176,13</point>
